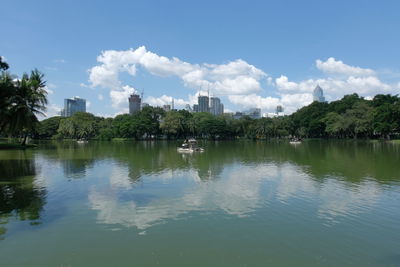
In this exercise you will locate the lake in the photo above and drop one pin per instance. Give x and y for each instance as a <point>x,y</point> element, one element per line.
<point>326,203</point>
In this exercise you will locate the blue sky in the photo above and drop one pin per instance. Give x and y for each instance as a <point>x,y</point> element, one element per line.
<point>249,53</point>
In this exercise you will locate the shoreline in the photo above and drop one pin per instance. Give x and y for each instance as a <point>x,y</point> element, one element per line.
<point>17,146</point>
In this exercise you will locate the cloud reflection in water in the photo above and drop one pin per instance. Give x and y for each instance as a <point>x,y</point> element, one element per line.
<point>237,191</point>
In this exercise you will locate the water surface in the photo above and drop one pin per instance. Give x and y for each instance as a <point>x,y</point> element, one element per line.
<point>237,204</point>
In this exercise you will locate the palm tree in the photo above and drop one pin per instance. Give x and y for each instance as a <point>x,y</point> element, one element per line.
<point>29,101</point>
<point>7,90</point>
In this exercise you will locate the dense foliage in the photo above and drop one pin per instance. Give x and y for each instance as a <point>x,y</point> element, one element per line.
<point>21,100</point>
<point>350,117</point>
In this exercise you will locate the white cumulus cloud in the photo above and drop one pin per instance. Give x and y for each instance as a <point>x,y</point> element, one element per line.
<point>236,77</point>
<point>119,96</point>
<point>333,66</point>
<point>241,82</point>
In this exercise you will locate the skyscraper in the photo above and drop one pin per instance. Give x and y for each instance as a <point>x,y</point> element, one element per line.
<point>318,94</point>
<point>279,109</point>
<point>134,103</point>
<point>203,104</point>
<point>215,106</point>
<point>73,105</point>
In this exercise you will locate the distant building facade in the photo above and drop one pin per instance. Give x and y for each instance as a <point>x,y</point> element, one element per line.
<point>237,115</point>
<point>73,105</point>
<point>203,102</point>
<point>134,103</point>
<point>279,109</point>
<point>216,108</point>
<point>221,109</point>
<point>318,94</point>
<point>254,113</point>
<point>166,108</point>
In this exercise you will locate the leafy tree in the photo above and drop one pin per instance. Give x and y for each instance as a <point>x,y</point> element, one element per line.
<point>48,128</point>
<point>310,117</point>
<point>262,127</point>
<point>66,128</point>
<point>173,124</point>
<point>347,102</point>
<point>105,131</point>
<point>84,124</point>
<point>149,118</point>
<point>126,126</point>
<point>7,91</point>
<point>358,120</point>
<point>28,101</point>
<point>334,124</point>
<point>386,119</point>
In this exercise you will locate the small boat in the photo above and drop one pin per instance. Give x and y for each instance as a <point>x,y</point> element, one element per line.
<point>190,146</point>
<point>82,141</point>
<point>295,141</point>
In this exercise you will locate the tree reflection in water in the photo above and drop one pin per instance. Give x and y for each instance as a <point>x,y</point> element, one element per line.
<point>19,196</point>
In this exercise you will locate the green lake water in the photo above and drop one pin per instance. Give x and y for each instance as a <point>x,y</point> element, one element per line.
<point>320,203</point>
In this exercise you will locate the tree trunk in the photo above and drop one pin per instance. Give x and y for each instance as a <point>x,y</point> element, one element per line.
<point>24,140</point>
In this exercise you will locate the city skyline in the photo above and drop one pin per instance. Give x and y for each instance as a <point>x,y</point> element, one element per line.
<point>257,55</point>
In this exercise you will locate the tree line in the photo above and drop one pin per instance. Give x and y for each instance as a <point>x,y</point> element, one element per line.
<point>21,100</point>
<point>350,117</point>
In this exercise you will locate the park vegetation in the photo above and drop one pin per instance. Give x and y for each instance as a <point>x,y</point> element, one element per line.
<point>350,117</point>
<point>21,100</point>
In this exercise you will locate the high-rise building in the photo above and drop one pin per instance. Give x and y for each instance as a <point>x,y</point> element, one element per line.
<point>195,108</point>
<point>167,108</point>
<point>73,105</point>
<point>221,109</point>
<point>215,106</point>
<point>318,94</point>
<point>279,109</point>
<point>203,102</point>
<point>254,113</point>
<point>134,103</point>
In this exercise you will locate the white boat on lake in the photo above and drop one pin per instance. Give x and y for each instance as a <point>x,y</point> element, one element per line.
<point>295,141</point>
<point>190,146</point>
